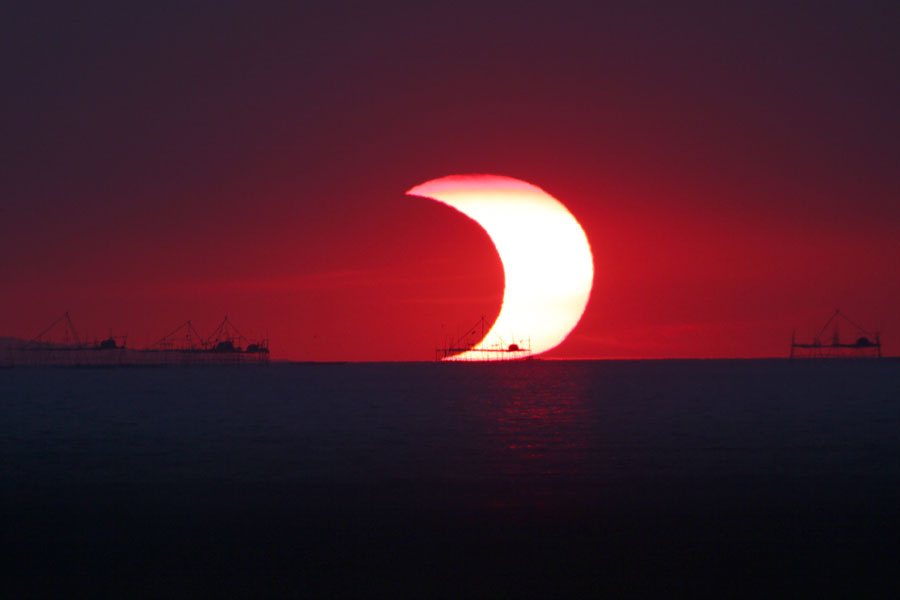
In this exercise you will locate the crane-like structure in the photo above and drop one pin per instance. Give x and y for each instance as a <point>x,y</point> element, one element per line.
<point>69,336</point>
<point>866,345</point>
<point>479,349</point>
<point>60,344</point>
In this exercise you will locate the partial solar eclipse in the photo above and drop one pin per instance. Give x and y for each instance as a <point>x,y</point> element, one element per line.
<point>546,257</point>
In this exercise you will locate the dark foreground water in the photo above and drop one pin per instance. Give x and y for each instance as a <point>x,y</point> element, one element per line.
<point>662,478</point>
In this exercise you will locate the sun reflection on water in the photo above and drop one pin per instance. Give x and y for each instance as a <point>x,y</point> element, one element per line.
<point>534,427</point>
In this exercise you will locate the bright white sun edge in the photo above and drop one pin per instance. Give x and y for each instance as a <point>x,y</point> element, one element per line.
<point>547,263</point>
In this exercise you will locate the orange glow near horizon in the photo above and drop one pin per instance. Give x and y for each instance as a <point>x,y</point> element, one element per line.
<point>546,257</point>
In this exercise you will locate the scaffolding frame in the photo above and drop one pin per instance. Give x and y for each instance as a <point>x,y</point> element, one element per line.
<point>60,345</point>
<point>867,344</point>
<point>497,351</point>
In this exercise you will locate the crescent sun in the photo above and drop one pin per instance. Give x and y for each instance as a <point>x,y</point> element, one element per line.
<point>547,262</point>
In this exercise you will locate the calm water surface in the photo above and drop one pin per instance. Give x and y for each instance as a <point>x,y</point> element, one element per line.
<point>538,478</point>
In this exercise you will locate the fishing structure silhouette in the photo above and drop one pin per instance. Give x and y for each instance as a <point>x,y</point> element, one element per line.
<point>866,345</point>
<point>480,351</point>
<point>60,344</point>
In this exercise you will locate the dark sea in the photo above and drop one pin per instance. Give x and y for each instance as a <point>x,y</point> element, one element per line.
<point>529,479</point>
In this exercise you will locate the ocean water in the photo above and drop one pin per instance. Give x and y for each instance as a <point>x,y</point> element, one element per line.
<point>528,479</point>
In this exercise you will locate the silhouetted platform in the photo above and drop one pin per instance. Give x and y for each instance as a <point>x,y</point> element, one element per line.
<point>866,345</point>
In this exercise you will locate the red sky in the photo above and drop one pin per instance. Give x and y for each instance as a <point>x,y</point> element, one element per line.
<point>735,170</point>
